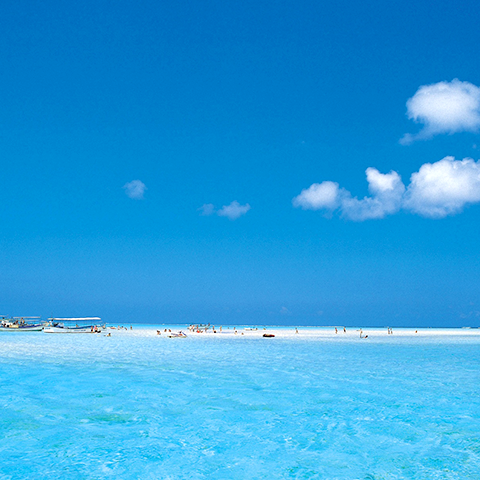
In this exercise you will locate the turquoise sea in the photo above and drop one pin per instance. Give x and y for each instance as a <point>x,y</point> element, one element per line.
<point>140,406</point>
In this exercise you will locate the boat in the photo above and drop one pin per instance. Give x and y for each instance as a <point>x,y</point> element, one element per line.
<point>74,325</point>
<point>177,335</point>
<point>20,324</point>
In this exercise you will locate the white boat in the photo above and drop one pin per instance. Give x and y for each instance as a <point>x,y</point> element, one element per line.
<point>20,324</point>
<point>71,325</point>
<point>180,334</point>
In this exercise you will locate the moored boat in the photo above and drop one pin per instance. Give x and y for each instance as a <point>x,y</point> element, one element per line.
<point>20,324</point>
<point>73,325</point>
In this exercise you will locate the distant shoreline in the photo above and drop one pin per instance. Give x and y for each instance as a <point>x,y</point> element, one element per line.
<point>234,331</point>
<point>261,325</point>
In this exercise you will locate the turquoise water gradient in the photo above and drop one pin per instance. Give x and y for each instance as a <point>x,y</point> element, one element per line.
<point>138,406</point>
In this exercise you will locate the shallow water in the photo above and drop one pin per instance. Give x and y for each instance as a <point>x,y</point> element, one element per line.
<point>141,406</point>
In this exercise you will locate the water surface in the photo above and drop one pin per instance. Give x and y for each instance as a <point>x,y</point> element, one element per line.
<point>137,405</point>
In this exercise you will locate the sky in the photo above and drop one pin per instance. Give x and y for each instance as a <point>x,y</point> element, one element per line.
<point>296,163</point>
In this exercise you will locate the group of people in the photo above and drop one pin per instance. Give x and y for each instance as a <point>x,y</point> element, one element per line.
<point>159,332</point>
<point>120,327</point>
<point>171,334</point>
<point>200,328</point>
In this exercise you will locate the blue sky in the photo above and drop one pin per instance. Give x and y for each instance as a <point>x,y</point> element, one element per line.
<point>222,114</point>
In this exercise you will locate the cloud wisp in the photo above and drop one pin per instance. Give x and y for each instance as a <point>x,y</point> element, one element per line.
<point>444,107</point>
<point>232,211</point>
<point>135,189</point>
<point>206,209</point>
<point>435,191</point>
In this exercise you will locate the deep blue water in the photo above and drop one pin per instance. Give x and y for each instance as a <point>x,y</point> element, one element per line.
<point>141,406</point>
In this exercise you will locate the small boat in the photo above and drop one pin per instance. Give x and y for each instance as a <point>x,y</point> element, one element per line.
<point>66,325</point>
<point>20,324</point>
<point>177,335</point>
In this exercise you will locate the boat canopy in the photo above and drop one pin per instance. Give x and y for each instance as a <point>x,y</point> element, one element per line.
<point>75,319</point>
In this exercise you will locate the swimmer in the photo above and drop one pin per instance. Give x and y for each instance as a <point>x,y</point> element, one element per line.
<point>336,331</point>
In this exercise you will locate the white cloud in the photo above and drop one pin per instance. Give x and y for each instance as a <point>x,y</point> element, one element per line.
<point>207,209</point>
<point>135,189</point>
<point>436,190</point>
<point>234,210</point>
<point>444,107</point>
<point>443,188</point>
<point>319,195</point>
<point>386,190</point>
